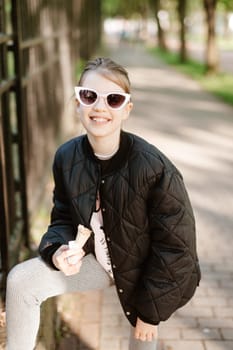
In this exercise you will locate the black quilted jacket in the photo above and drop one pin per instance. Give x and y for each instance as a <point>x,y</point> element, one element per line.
<point>148,222</point>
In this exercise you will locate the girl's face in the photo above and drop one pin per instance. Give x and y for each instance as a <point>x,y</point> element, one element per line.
<point>100,120</point>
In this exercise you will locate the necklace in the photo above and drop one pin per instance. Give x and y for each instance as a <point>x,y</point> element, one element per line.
<point>106,156</point>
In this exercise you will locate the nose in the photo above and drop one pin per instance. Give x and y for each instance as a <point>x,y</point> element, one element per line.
<point>100,104</point>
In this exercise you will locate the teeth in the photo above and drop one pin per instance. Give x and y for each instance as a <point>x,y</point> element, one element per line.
<point>99,120</point>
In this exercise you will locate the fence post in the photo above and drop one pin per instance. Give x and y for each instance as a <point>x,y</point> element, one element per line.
<point>20,111</point>
<point>4,231</point>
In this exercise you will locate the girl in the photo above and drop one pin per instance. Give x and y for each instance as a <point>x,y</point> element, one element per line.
<point>134,201</point>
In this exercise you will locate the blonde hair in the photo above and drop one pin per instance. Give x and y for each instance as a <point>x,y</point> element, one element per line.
<point>110,70</point>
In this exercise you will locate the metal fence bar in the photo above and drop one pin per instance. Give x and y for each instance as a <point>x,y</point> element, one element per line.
<point>4,38</point>
<point>16,25</point>
<point>6,85</point>
<point>4,227</point>
<point>39,70</point>
<point>40,40</point>
<point>4,205</point>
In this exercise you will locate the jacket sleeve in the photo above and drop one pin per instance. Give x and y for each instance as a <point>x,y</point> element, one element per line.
<point>61,228</point>
<point>171,272</point>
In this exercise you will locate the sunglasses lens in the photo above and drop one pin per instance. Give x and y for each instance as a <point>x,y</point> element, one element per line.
<point>88,97</point>
<point>115,100</point>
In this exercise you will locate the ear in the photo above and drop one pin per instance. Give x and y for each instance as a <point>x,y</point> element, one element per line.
<point>128,109</point>
<point>77,105</point>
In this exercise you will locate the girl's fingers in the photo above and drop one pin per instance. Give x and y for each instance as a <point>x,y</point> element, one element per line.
<point>69,252</point>
<point>68,260</point>
<point>72,269</point>
<point>145,331</point>
<point>144,337</point>
<point>74,256</point>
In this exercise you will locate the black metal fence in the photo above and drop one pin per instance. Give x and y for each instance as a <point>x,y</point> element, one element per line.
<point>40,43</point>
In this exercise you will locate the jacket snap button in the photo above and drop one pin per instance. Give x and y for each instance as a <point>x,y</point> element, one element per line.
<point>114,266</point>
<point>127,313</point>
<point>103,209</point>
<point>120,290</point>
<point>108,239</point>
<point>102,181</point>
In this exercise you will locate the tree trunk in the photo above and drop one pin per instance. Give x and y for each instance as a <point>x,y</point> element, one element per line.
<point>161,34</point>
<point>181,8</point>
<point>212,55</point>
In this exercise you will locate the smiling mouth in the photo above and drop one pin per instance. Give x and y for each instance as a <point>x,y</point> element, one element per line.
<point>100,119</point>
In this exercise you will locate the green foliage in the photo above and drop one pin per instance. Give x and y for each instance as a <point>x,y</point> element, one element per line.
<point>227,5</point>
<point>110,8</point>
<point>124,8</point>
<point>127,8</point>
<point>79,67</point>
<point>220,84</point>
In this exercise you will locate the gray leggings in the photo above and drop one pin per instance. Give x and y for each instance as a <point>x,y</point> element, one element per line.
<point>32,282</point>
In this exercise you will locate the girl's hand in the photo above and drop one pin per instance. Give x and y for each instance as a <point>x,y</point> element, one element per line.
<point>61,259</point>
<point>145,331</point>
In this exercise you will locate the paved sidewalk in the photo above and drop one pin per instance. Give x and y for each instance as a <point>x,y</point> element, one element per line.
<point>195,130</point>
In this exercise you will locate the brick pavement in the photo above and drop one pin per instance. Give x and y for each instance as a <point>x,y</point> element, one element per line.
<point>196,131</point>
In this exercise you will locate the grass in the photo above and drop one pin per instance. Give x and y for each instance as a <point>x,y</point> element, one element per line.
<point>224,42</point>
<point>220,84</point>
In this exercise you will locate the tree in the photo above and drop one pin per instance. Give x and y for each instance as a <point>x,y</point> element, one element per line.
<point>181,9</point>
<point>212,56</point>
<point>156,8</point>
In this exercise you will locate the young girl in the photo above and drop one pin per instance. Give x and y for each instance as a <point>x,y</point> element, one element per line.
<point>133,200</point>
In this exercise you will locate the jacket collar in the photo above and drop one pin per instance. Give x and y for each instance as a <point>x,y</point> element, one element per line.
<point>117,161</point>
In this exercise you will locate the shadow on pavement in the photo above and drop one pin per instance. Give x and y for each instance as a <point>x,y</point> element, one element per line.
<point>68,339</point>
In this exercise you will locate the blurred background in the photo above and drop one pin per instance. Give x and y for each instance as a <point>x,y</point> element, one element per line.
<point>43,47</point>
